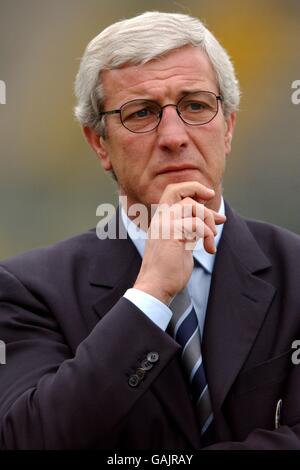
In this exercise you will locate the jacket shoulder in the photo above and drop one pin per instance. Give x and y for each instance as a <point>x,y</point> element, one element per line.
<point>53,257</point>
<point>274,240</point>
<point>271,231</point>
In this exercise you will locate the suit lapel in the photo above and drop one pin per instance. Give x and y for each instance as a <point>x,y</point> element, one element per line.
<point>114,275</point>
<point>115,266</point>
<point>238,303</point>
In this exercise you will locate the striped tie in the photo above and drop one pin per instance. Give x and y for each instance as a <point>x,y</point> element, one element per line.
<point>185,330</point>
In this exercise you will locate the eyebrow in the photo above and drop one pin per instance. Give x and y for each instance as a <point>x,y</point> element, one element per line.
<point>180,95</point>
<point>186,92</point>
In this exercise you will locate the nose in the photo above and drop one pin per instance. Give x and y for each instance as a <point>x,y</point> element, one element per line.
<point>171,131</point>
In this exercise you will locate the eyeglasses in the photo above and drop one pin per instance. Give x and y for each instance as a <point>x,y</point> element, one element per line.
<point>142,115</point>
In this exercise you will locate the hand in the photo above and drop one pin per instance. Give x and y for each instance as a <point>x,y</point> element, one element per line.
<point>167,264</point>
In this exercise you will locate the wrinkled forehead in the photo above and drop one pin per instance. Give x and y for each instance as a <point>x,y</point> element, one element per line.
<point>185,67</point>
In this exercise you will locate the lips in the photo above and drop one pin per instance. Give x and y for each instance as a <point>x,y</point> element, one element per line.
<point>179,168</point>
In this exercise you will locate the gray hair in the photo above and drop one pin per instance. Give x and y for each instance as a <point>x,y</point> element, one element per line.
<point>138,40</point>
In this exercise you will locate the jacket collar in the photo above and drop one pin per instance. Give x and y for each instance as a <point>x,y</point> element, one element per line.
<point>114,258</point>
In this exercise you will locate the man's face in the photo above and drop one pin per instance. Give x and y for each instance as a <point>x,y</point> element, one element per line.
<point>146,163</point>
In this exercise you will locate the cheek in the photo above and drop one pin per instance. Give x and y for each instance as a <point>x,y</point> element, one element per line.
<point>218,137</point>
<point>137,152</point>
<point>129,159</point>
<point>211,142</point>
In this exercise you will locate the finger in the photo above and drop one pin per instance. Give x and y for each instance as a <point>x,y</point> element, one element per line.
<point>202,212</point>
<point>195,209</point>
<point>210,221</point>
<point>219,218</point>
<point>177,191</point>
<point>192,228</point>
<point>209,244</point>
<point>201,230</point>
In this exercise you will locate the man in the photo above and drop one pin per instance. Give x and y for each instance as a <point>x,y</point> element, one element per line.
<point>106,344</point>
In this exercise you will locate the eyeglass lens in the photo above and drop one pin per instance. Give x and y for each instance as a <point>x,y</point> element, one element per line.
<point>194,108</point>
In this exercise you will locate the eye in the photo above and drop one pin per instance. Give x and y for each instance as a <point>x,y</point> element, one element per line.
<point>195,106</point>
<point>141,113</point>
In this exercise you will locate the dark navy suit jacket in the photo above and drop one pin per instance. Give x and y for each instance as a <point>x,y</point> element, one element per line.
<point>73,345</point>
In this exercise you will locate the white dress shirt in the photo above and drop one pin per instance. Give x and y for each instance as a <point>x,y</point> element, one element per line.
<point>198,284</point>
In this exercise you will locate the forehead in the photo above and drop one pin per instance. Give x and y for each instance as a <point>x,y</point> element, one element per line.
<point>184,69</point>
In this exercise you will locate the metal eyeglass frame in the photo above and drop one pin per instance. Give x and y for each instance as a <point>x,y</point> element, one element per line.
<point>119,111</point>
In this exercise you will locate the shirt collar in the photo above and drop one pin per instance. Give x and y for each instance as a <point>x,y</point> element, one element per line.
<point>138,238</point>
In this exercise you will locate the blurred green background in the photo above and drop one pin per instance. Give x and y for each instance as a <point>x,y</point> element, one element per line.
<point>51,182</point>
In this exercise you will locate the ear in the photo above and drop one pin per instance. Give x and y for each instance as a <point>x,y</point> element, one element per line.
<point>99,145</point>
<point>229,128</point>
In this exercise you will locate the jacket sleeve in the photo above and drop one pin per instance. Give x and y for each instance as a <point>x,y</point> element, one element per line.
<point>51,398</point>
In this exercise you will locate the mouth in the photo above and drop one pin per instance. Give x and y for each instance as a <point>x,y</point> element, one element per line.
<point>177,169</point>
